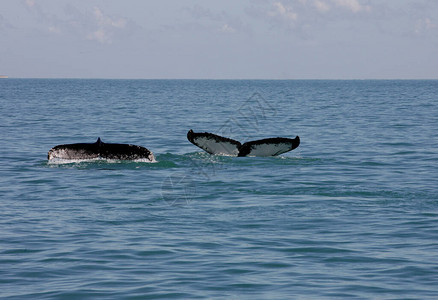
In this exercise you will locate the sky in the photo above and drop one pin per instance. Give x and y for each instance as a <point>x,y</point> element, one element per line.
<point>227,39</point>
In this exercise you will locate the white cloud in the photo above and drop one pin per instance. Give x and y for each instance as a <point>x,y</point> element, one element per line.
<point>321,6</point>
<point>200,12</point>
<point>227,28</point>
<point>306,17</point>
<point>353,5</point>
<point>283,11</point>
<point>30,3</point>
<point>106,27</point>
<point>93,25</point>
<point>101,36</point>
<point>428,24</point>
<point>104,21</point>
<point>209,20</point>
<point>424,25</point>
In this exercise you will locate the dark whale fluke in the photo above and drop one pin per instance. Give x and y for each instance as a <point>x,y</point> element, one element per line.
<point>101,150</point>
<point>215,144</point>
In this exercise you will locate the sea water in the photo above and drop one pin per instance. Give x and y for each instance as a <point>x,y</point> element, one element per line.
<point>351,213</point>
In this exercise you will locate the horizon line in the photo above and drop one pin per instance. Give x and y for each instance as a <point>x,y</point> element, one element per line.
<point>224,79</point>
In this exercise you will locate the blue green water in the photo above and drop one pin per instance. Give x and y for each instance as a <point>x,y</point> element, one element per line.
<point>351,213</point>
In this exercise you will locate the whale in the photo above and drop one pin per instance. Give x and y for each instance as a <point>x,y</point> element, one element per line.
<point>219,145</point>
<point>100,150</point>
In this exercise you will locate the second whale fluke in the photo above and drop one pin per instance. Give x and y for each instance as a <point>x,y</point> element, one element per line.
<point>218,145</point>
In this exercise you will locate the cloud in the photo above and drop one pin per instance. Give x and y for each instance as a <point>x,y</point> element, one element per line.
<point>30,3</point>
<point>212,21</point>
<point>106,21</point>
<point>101,36</point>
<point>227,29</point>
<point>92,25</point>
<point>424,25</point>
<point>321,6</point>
<point>304,17</point>
<point>200,12</point>
<point>352,5</point>
<point>282,11</point>
<point>106,27</point>
<point>51,22</point>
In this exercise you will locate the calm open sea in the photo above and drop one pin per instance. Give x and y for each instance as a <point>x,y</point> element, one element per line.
<point>351,213</point>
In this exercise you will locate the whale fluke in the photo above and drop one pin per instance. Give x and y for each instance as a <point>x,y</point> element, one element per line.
<point>215,144</point>
<point>101,150</point>
<point>269,147</point>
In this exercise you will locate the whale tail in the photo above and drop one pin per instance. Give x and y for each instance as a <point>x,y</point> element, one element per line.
<point>215,144</point>
<point>100,149</point>
<point>269,147</point>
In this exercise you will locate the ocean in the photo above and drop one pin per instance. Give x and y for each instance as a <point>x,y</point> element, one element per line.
<point>351,213</point>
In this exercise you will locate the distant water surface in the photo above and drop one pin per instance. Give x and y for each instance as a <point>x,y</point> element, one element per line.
<point>351,213</point>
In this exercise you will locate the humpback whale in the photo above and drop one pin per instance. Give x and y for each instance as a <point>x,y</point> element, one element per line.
<point>215,144</point>
<point>100,150</point>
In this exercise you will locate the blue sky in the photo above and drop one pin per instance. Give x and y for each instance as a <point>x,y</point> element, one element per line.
<point>260,39</point>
